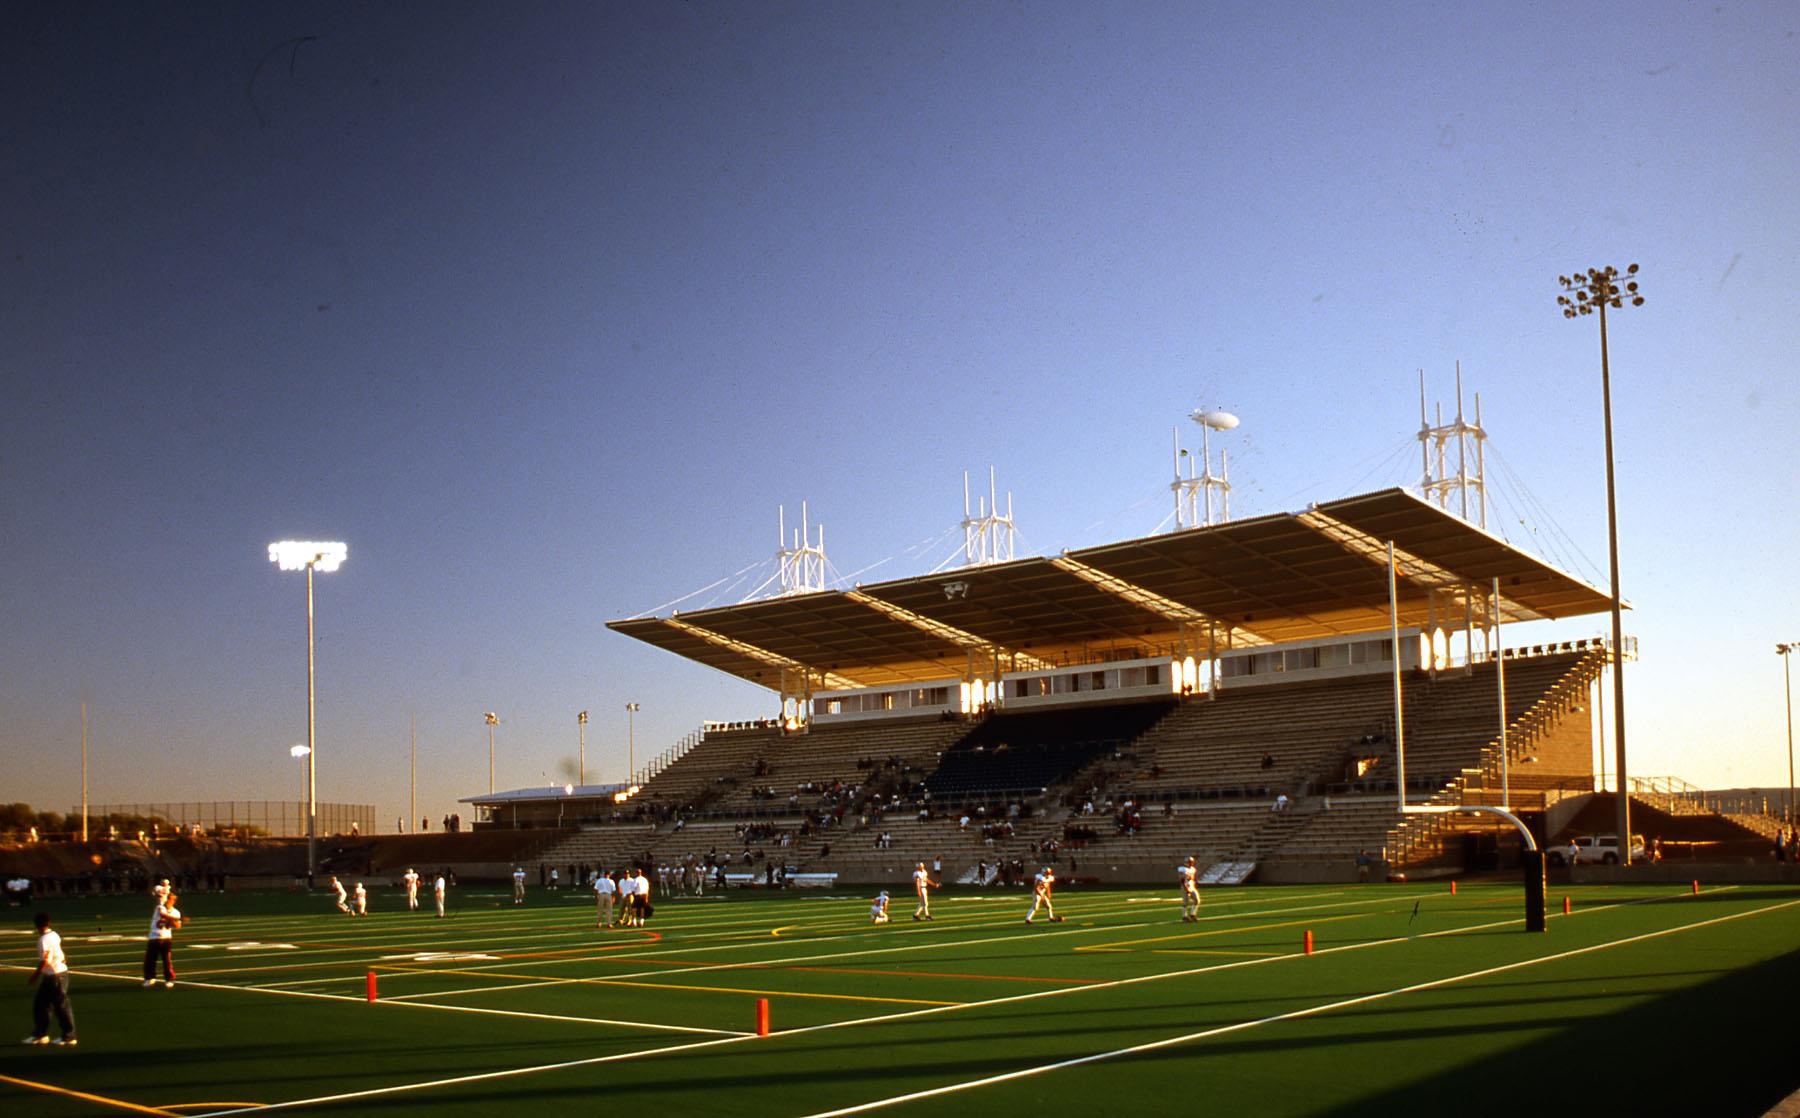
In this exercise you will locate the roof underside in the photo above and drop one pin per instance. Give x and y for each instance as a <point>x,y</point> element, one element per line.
<point>1290,576</point>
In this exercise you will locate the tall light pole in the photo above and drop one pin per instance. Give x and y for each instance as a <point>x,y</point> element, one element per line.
<point>492,721</point>
<point>581,749</point>
<point>412,779</point>
<point>1787,694</point>
<point>294,555</point>
<point>84,799</point>
<point>631,710</point>
<point>1594,291</point>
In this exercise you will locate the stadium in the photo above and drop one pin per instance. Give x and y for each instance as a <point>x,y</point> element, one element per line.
<point>1323,714</point>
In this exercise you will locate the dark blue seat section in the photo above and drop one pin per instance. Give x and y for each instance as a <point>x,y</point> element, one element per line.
<point>1008,753</point>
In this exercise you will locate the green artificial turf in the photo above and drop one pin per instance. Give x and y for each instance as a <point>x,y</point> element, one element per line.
<point>1415,1000</point>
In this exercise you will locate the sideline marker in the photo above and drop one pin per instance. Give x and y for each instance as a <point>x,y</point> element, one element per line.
<point>1565,906</point>
<point>762,1016</point>
<point>1306,942</point>
<point>371,981</point>
<point>1696,890</point>
<point>1453,887</point>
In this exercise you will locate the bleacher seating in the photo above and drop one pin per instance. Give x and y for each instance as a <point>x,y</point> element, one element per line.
<point>1033,750</point>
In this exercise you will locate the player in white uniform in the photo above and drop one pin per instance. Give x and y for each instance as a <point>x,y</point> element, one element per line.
<point>361,903</point>
<point>1187,873</point>
<point>159,945</point>
<point>878,913</point>
<point>437,891</point>
<point>1040,895</point>
<point>342,897</point>
<point>411,877</point>
<point>53,992</point>
<point>518,885</point>
<point>923,885</point>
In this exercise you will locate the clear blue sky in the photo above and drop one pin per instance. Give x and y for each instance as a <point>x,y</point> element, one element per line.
<point>544,310</point>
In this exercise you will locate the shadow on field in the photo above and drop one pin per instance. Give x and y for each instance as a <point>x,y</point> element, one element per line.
<point>1717,1049</point>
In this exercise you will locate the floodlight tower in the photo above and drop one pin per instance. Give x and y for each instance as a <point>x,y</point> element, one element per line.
<point>1194,493</point>
<point>294,555</point>
<point>1787,693</point>
<point>631,710</point>
<point>1594,291</point>
<point>492,720</point>
<point>581,748</point>
<point>987,533</point>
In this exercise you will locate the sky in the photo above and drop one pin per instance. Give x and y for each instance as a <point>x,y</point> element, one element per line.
<point>546,309</point>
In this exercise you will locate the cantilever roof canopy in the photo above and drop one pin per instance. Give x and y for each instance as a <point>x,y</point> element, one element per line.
<point>1290,576</point>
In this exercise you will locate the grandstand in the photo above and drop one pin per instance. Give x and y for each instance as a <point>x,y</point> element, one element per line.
<point>1227,691</point>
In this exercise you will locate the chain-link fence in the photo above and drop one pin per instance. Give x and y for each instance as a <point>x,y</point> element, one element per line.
<point>270,817</point>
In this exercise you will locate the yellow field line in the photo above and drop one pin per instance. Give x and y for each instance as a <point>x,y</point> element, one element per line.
<point>1131,943</point>
<point>770,993</point>
<point>1215,951</point>
<point>674,986</point>
<point>85,1097</point>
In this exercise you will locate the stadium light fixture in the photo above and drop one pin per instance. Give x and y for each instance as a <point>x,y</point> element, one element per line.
<point>1784,650</point>
<point>309,555</point>
<point>1593,291</point>
<point>492,721</point>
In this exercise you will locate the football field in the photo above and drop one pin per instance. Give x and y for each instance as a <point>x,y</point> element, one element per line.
<point>1412,1000</point>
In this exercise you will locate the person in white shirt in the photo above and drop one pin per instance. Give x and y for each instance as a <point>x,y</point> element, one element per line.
<point>362,900</point>
<point>160,890</point>
<point>922,885</point>
<point>411,877</point>
<point>641,897</point>
<point>159,945</point>
<point>878,913</point>
<point>1040,894</point>
<point>604,892</point>
<point>1187,875</point>
<point>342,897</point>
<point>437,891</point>
<point>518,885</point>
<point>627,906</point>
<point>554,880</point>
<point>52,976</point>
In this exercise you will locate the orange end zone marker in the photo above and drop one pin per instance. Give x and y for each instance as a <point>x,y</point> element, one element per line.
<point>762,1016</point>
<point>1565,906</point>
<point>1306,942</point>
<point>1696,887</point>
<point>371,985</point>
<point>1453,887</point>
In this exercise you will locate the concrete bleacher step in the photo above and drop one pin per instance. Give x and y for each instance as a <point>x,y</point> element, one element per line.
<point>1227,873</point>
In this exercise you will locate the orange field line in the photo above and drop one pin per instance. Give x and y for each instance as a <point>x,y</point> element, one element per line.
<point>85,1097</point>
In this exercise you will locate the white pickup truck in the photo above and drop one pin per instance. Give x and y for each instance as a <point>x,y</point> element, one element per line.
<point>1595,850</point>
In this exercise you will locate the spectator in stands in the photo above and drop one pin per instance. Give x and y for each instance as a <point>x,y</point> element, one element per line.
<point>1268,760</point>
